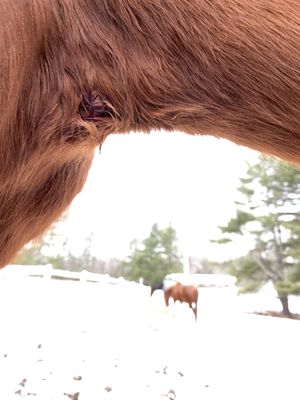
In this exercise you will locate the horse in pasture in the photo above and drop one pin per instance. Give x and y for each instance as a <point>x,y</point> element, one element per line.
<point>179,292</point>
<point>183,293</point>
<point>73,72</point>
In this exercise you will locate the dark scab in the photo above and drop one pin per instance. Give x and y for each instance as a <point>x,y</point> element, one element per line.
<point>93,109</point>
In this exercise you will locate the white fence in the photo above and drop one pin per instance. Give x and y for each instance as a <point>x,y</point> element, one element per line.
<point>48,272</point>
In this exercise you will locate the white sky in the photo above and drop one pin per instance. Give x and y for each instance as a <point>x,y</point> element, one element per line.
<point>175,178</point>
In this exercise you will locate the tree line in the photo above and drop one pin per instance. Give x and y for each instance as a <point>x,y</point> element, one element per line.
<point>150,259</point>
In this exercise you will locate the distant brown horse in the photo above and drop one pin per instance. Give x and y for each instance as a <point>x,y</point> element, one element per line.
<point>184,294</point>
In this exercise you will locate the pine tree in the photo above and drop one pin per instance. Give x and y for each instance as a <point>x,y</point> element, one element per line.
<point>154,257</point>
<point>270,214</point>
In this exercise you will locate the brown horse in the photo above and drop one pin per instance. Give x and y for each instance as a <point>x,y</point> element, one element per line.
<point>74,71</point>
<point>184,294</point>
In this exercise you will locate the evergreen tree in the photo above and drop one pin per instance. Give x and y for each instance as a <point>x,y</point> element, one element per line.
<point>155,257</point>
<point>270,214</point>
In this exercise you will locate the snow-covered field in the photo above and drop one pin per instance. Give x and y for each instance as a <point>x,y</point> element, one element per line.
<point>62,339</point>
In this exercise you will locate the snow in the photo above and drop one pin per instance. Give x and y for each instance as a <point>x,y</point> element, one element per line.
<point>86,341</point>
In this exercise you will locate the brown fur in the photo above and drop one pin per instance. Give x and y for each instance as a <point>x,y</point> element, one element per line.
<point>183,293</point>
<point>74,71</point>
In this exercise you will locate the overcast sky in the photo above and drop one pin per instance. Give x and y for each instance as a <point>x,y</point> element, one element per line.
<point>175,178</point>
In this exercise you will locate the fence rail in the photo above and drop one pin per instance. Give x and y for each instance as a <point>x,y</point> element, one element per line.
<point>48,272</point>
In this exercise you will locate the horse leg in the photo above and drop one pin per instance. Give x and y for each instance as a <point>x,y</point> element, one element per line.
<point>194,309</point>
<point>167,297</point>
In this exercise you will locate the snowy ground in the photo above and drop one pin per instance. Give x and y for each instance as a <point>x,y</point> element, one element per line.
<point>89,341</point>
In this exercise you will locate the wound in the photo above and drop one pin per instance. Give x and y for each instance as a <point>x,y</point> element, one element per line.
<point>93,109</point>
